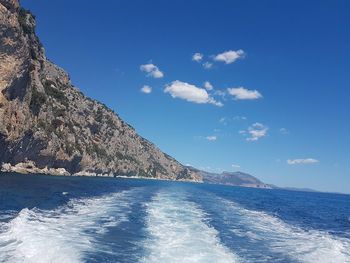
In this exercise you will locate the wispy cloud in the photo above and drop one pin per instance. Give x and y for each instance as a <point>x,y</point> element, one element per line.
<point>215,102</point>
<point>211,138</point>
<point>227,120</point>
<point>220,93</point>
<point>207,65</point>
<point>235,166</point>
<point>284,131</point>
<point>255,131</point>
<point>239,118</point>
<point>197,57</point>
<point>302,161</point>
<point>223,120</point>
<point>242,93</point>
<point>191,93</point>
<point>146,89</point>
<point>207,85</point>
<point>152,70</point>
<point>230,56</point>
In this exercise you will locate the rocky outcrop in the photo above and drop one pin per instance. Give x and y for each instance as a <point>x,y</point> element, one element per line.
<point>48,125</point>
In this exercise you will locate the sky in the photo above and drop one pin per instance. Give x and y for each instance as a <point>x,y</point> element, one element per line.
<point>255,86</point>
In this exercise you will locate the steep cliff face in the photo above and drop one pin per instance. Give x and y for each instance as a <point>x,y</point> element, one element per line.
<point>46,122</point>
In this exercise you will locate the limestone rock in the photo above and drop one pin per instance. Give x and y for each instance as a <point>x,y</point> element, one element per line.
<point>48,123</point>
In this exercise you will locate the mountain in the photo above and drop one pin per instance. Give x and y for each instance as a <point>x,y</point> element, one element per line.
<point>233,179</point>
<point>48,126</point>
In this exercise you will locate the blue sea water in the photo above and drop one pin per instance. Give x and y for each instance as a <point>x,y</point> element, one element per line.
<point>81,219</point>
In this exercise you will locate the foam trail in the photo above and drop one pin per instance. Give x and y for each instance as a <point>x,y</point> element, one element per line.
<point>178,232</point>
<point>63,234</point>
<point>298,244</point>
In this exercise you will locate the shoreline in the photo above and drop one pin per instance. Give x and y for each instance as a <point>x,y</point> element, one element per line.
<point>29,168</point>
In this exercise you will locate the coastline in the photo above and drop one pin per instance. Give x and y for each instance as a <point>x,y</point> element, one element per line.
<point>29,168</point>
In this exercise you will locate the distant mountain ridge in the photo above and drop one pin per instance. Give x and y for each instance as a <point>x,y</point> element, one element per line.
<point>48,126</point>
<point>244,180</point>
<point>232,179</point>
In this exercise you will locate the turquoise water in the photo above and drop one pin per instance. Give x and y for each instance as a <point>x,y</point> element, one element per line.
<point>76,219</point>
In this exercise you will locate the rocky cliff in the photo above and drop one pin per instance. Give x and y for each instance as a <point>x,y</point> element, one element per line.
<point>47,125</point>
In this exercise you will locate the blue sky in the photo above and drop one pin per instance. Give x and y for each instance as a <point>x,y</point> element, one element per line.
<point>280,69</point>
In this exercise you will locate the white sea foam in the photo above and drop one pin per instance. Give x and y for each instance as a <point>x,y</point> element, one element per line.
<point>298,244</point>
<point>178,233</point>
<point>63,234</point>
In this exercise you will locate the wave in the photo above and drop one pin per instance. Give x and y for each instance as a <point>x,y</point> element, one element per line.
<point>63,234</point>
<point>281,238</point>
<point>178,232</point>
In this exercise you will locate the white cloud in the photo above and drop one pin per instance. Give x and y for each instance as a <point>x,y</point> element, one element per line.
<point>207,65</point>
<point>241,93</point>
<point>256,131</point>
<point>229,56</point>
<point>302,161</point>
<point>191,93</point>
<point>183,90</point>
<point>211,138</point>
<point>152,70</point>
<point>215,102</point>
<point>208,86</point>
<point>235,166</point>
<point>197,57</point>
<point>146,89</point>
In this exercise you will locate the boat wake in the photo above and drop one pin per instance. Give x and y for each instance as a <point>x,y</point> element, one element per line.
<point>178,232</point>
<point>63,234</point>
<point>169,224</point>
<point>264,232</point>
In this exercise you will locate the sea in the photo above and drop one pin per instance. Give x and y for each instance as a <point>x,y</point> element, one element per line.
<point>90,219</point>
